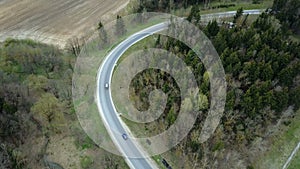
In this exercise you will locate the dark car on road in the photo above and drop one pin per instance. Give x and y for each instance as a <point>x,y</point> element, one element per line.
<point>125,137</point>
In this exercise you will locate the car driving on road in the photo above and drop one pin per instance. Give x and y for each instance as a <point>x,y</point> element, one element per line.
<point>125,137</point>
<point>106,85</point>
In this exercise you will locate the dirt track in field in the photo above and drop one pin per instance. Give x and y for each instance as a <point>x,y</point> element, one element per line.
<point>54,21</point>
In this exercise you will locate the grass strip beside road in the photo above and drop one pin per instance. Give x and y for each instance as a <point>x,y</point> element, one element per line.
<point>245,5</point>
<point>281,145</point>
<point>295,162</point>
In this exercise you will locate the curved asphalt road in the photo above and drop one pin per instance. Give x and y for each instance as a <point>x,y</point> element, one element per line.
<point>107,109</point>
<point>105,104</point>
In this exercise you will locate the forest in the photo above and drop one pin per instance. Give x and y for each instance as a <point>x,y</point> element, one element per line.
<point>262,66</point>
<point>35,96</point>
<point>36,110</point>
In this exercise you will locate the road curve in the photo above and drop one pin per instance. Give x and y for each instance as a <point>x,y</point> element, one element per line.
<point>107,110</point>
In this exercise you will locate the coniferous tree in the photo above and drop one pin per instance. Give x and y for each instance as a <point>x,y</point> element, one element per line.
<point>194,15</point>
<point>102,34</point>
<point>120,26</point>
<point>212,28</point>
<point>238,14</point>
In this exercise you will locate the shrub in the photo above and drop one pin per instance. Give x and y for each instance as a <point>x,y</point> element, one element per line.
<point>86,162</point>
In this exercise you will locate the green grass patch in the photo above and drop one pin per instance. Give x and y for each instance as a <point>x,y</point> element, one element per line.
<point>232,6</point>
<point>157,159</point>
<point>246,5</point>
<point>295,38</point>
<point>282,145</point>
<point>295,163</point>
<point>86,162</point>
<point>88,143</point>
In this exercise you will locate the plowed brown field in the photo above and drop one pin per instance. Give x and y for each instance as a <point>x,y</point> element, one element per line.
<point>53,21</point>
